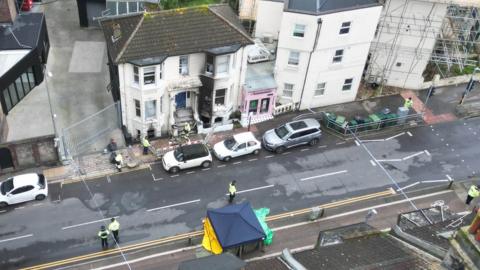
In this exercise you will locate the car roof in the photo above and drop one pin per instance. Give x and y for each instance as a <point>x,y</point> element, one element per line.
<point>193,148</point>
<point>25,179</point>
<point>244,137</point>
<point>304,123</point>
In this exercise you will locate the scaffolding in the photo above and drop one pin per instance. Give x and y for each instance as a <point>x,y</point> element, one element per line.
<point>446,35</point>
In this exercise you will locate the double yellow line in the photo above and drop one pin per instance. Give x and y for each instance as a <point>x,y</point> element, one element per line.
<point>185,236</point>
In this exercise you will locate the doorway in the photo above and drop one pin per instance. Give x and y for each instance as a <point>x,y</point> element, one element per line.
<point>6,160</point>
<point>181,100</point>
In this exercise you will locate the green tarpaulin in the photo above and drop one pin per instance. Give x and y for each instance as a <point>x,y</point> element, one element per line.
<point>261,215</point>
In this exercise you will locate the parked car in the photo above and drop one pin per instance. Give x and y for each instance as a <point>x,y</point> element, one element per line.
<point>306,131</point>
<point>187,156</point>
<point>237,145</point>
<point>22,188</point>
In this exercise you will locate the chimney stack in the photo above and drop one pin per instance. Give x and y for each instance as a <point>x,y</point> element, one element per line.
<point>8,11</point>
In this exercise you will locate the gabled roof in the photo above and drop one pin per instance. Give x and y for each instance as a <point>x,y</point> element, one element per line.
<point>172,32</point>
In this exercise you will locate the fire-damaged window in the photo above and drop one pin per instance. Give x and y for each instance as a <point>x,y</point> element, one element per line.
<point>220,96</point>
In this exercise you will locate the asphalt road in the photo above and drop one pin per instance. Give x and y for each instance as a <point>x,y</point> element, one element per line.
<point>152,203</point>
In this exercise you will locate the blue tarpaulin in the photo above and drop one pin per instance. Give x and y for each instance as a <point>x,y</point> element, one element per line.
<point>235,225</point>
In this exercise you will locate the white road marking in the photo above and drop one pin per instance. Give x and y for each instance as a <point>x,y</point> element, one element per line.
<point>253,189</point>
<point>190,172</point>
<point>268,156</point>
<point>393,137</point>
<point>357,143</point>
<point>322,146</point>
<point>414,155</point>
<point>3,211</point>
<point>205,169</point>
<point>386,139</point>
<point>16,238</point>
<point>286,153</point>
<point>37,204</point>
<point>428,153</point>
<point>238,162</point>
<point>253,159</point>
<point>435,181</point>
<point>409,134</point>
<point>20,207</point>
<point>56,201</point>
<point>149,167</point>
<point>156,179</point>
<point>221,166</point>
<point>108,179</point>
<point>409,186</point>
<point>173,205</point>
<point>373,163</point>
<point>87,223</point>
<point>339,143</point>
<point>389,160</point>
<point>323,175</point>
<point>304,149</point>
<point>449,177</point>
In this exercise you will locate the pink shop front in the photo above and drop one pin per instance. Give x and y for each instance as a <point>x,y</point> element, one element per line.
<point>259,98</point>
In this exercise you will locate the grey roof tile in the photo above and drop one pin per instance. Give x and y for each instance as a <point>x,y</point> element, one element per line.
<point>173,32</point>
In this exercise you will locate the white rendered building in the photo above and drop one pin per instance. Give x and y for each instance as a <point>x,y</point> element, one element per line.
<point>322,49</point>
<point>174,67</point>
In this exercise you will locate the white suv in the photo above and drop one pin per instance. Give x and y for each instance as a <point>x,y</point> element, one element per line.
<point>187,156</point>
<point>22,188</point>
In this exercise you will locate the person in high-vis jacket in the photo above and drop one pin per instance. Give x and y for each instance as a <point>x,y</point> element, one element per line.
<point>232,190</point>
<point>103,235</point>
<point>145,144</point>
<point>473,192</point>
<point>114,227</point>
<point>408,103</point>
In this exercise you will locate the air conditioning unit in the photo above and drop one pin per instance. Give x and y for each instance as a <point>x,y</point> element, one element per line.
<point>267,38</point>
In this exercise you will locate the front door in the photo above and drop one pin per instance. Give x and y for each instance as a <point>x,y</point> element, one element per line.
<point>181,100</point>
<point>265,105</point>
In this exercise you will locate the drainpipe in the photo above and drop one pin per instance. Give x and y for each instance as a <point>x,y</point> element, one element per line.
<point>317,35</point>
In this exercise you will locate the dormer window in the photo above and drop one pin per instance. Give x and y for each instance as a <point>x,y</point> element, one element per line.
<point>116,33</point>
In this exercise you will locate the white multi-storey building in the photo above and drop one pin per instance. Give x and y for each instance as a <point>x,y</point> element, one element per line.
<point>322,48</point>
<point>174,67</point>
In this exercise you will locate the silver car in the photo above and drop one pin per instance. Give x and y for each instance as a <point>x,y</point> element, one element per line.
<point>305,131</point>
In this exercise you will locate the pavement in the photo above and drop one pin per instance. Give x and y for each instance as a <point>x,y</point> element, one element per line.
<point>440,108</point>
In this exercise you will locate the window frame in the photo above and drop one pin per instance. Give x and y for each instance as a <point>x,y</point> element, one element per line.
<point>186,64</point>
<point>338,56</point>
<point>224,96</point>
<point>285,90</point>
<point>136,75</point>
<point>224,62</point>
<point>147,116</point>
<point>347,86</point>
<point>345,29</point>
<point>293,64</point>
<point>299,33</point>
<point>138,108</point>
<point>147,71</point>
<point>321,89</point>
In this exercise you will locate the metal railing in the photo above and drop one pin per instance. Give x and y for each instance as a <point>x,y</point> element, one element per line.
<point>348,127</point>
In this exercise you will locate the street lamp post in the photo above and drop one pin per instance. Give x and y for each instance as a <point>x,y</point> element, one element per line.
<point>58,143</point>
<point>469,87</point>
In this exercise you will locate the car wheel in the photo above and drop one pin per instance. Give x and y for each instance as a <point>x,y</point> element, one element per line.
<point>227,159</point>
<point>256,152</point>
<point>313,142</point>
<point>206,164</point>
<point>40,197</point>
<point>174,170</point>
<point>3,204</point>
<point>280,150</point>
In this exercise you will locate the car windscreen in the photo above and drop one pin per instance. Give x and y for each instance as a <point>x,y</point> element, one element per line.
<point>230,143</point>
<point>281,131</point>
<point>178,154</point>
<point>6,186</point>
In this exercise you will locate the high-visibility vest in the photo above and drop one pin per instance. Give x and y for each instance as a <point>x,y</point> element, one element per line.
<point>145,143</point>
<point>103,234</point>
<point>473,191</point>
<point>232,189</point>
<point>114,226</point>
<point>408,103</point>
